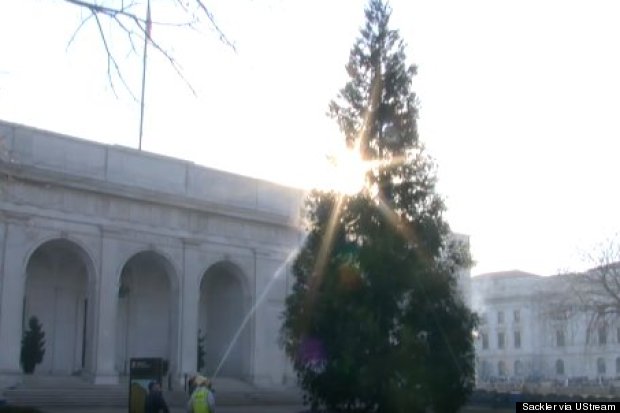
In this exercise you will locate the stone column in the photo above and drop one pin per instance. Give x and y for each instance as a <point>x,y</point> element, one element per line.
<point>269,362</point>
<point>188,317</point>
<point>11,302</point>
<point>106,306</point>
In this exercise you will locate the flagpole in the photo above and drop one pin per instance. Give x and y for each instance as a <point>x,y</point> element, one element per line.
<point>147,35</point>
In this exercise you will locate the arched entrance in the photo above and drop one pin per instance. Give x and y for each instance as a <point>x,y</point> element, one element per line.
<point>146,316</point>
<point>57,293</point>
<point>223,306</point>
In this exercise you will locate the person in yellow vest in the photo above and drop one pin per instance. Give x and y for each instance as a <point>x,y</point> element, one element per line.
<point>202,399</point>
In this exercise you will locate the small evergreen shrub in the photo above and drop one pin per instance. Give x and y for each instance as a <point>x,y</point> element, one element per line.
<point>201,351</point>
<point>33,346</point>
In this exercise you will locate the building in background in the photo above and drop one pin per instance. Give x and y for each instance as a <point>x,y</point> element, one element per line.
<point>533,330</point>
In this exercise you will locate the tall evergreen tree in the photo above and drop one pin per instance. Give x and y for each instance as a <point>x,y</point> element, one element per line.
<point>375,322</point>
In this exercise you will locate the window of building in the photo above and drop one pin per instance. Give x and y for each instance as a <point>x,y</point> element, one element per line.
<point>501,369</point>
<point>559,312</point>
<point>500,340</point>
<point>618,335</point>
<point>486,370</point>
<point>559,367</point>
<point>559,338</point>
<point>483,319</point>
<point>518,368</point>
<point>600,366</point>
<point>517,316</point>
<point>618,366</point>
<point>485,341</point>
<point>602,335</point>
<point>500,317</point>
<point>517,340</point>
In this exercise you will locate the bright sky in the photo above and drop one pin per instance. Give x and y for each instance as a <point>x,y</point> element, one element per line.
<point>520,102</point>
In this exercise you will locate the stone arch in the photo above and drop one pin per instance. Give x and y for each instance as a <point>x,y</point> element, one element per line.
<point>172,271</point>
<point>81,249</point>
<point>59,291</point>
<point>223,305</point>
<point>147,310</point>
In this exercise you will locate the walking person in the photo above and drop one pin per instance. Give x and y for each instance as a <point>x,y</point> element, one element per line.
<point>203,398</point>
<point>155,402</point>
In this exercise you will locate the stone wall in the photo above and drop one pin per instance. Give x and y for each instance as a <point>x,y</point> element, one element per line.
<point>108,204</point>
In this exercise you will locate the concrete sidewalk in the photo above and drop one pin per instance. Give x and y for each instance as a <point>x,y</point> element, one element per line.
<point>69,395</point>
<point>220,409</point>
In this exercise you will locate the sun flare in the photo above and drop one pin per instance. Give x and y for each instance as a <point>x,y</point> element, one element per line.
<point>348,172</point>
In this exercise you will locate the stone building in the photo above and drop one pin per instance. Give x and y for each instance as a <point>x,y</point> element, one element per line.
<point>534,329</point>
<point>121,254</point>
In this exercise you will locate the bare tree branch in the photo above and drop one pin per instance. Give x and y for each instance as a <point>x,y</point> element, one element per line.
<point>108,11</point>
<point>596,292</point>
<point>84,20</point>
<point>127,20</point>
<point>223,37</point>
<point>130,34</point>
<point>112,62</point>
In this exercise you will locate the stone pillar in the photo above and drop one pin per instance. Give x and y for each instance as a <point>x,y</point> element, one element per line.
<point>269,362</point>
<point>188,318</point>
<point>11,302</point>
<point>106,306</point>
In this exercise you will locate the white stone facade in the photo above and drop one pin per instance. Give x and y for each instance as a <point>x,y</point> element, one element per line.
<point>532,330</point>
<point>122,253</point>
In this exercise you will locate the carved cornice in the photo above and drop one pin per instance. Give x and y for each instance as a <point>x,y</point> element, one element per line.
<point>42,176</point>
